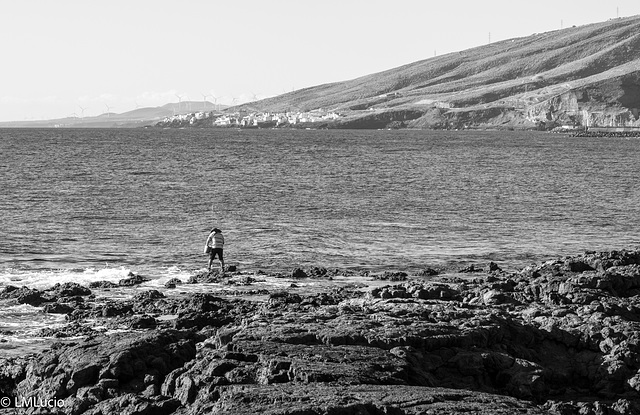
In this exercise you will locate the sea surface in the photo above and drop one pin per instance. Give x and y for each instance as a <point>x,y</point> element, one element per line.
<point>84,205</point>
<point>144,200</point>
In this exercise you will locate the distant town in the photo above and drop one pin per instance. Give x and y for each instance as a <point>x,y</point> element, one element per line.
<point>250,120</point>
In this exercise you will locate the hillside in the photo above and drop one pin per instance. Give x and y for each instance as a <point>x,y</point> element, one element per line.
<point>588,75</point>
<point>578,76</point>
<point>139,117</point>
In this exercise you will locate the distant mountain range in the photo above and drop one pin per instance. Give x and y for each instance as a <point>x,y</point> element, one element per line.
<point>139,117</point>
<point>587,75</point>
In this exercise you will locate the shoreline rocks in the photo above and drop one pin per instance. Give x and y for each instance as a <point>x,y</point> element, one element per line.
<point>562,337</point>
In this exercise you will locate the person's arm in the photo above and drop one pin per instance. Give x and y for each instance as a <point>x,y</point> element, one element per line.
<point>206,244</point>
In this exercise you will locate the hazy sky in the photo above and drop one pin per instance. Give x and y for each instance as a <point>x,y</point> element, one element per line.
<point>64,55</point>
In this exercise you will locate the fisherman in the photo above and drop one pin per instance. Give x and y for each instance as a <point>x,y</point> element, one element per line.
<point>213,247</point>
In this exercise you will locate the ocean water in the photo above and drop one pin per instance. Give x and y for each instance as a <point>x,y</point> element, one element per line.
<point>87,205</point>
<point>84,205</point>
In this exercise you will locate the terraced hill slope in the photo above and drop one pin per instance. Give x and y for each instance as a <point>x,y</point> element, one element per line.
<point>588,75</point>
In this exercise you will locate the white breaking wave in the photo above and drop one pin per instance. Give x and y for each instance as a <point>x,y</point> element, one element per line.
<point>44,279</point>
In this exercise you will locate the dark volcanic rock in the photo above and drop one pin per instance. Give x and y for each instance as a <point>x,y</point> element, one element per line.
<point>325,399</point>
<point>114,308</point>
<point>299,273</point>
<point>102,284</point>
<point>73,329</point>
<point>12,371</point>
<point>147,296</point>
<point>23,295</point>
<point>105,371</point>
<point>428,272</point>
<point>68,289</point>
<point>318,272</point>
<point>559,338</point>
<point>484,335</point>
<point>280,299</point>
<point>173,282</point>
<point>131,280</point>
<point>203,310</point>
<point>57,308</point>
<point>206,277</point>
<point>151,301</point>
<point>143,322</point>
<point>470,268</point>
<point>391,276</point>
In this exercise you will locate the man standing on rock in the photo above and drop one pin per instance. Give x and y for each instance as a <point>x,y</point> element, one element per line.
<point>213,247</point>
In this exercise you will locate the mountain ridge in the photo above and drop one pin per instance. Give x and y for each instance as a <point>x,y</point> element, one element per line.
<point>499,84</point>
<point>139,117</point>
<point>586,76</point>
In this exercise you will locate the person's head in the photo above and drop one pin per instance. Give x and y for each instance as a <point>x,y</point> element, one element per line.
<point>216,230</point>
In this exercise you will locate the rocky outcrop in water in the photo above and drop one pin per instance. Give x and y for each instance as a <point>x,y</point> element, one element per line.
<point>561,337</point>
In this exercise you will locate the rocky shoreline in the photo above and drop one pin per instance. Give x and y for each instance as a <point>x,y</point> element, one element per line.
<point>562,337</point>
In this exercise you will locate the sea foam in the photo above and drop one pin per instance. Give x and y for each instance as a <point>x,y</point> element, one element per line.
<point>42,279</point>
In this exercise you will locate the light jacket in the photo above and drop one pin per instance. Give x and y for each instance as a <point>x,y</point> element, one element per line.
<point>215,240</point>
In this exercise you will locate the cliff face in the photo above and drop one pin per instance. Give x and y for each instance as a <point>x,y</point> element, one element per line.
<point>588,75</point>
<point>613,102</point>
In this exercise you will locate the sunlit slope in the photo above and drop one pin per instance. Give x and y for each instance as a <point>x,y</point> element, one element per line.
<point>593,68</point>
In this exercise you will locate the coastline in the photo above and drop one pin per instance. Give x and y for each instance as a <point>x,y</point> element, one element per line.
<point>555,337</point>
